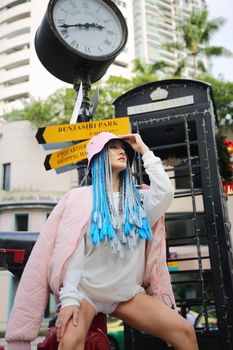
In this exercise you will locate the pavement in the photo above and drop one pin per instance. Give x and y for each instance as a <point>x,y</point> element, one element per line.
<point>33,346</point>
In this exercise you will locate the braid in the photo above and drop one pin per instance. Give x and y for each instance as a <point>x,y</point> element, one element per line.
<point>122,226</point>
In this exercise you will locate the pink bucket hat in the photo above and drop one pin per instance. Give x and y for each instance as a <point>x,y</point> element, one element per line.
<point>97,143</point>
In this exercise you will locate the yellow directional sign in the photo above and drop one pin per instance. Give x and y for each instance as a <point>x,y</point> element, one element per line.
<point>65,156</point>
<point>82,131</point>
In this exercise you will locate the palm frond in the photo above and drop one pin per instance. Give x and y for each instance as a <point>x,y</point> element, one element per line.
<point>138,66</point>
<point>159,65</point>
<point>201,67</point>
<point>217,51</point>
<point>180,68</point>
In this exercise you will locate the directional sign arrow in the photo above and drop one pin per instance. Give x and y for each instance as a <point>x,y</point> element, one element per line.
<point>82,131</point>
<point>65,156</point>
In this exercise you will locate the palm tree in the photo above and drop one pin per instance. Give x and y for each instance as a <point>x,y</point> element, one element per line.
<point>196,33</point>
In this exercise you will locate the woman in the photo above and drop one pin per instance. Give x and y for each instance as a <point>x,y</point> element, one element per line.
<point>97,254</point>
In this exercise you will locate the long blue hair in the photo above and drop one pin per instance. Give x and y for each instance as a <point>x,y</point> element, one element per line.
<point>121,226</point>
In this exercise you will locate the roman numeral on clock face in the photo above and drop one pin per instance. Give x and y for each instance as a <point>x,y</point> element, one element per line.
<point>107,42</point>
<point>87,49</point>
<point>110,32</point>
<point>108,20</point>
<point>85,4</point>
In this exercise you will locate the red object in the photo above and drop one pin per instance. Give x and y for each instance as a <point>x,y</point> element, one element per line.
<point>50,341</point>
<point>2,347</point>
<point>228,143</point>
<point>227,187</point>
<point>97,338</point>
<point>19,255</point>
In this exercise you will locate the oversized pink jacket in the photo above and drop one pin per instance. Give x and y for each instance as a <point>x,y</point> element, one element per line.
<point>45,268</point>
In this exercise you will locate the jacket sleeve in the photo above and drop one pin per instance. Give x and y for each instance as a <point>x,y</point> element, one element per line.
<point>157,279</point>
<point>159,196</point>
<point>33,290</point>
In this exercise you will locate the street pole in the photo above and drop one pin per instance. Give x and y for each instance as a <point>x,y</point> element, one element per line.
<point>83,116</point>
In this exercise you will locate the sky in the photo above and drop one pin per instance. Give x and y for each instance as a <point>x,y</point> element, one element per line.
<point>224,8</point>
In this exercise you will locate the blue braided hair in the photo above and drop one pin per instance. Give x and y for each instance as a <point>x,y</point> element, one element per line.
<point>121,226</point>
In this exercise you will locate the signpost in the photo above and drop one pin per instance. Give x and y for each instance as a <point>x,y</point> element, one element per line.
<point>76,132</point>
<point>81,131</point>
<point>66,156</point>
<point>79,54</point>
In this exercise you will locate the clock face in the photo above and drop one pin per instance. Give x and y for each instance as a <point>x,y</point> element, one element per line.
<point>90,27</point>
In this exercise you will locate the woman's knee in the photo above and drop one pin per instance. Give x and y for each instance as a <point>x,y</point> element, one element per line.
<point>189,330</point>
<point>185,333</point>
<point>68,343</point>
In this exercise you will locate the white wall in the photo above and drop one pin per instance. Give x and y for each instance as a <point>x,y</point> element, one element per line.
<point>19,147</point>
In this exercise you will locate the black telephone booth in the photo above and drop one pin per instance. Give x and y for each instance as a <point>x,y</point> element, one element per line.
<point>176,118</point>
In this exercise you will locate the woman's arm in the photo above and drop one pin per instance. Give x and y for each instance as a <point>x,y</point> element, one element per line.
<point>160,195</point>
<point>161,192</point>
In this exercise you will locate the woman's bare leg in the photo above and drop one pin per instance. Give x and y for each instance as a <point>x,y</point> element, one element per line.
<point>148,314</point>
<point>75,337</point>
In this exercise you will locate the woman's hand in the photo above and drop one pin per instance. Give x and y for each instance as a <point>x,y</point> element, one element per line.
<point>135,142</point>
<point>65,315</point>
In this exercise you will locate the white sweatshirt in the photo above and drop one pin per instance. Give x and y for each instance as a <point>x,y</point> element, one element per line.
<point>107,277</point>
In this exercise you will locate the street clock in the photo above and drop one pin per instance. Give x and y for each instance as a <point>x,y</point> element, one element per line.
<point>80,38</point>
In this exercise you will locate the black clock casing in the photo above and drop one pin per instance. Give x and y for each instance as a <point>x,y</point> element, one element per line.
<point>68,64</point>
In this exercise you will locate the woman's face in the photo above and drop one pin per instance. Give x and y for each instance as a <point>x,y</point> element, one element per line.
<point>118,157</point>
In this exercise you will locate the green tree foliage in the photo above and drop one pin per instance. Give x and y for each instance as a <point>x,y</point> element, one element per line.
<point>108,91</point>
<point>58,107</point>
<point>223,96</point>
<point>196,33</point>
<point>146,73</point>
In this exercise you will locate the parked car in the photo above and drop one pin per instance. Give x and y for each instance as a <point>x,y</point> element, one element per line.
<point>198,319</point>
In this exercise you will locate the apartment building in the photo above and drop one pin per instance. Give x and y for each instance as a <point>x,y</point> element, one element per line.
<point>156,23</point>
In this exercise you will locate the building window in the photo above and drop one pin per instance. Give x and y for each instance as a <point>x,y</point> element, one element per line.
<point>6,177</point>
<point>21,222</point>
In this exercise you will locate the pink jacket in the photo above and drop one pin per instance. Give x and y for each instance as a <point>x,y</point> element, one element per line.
<point>45,268</point>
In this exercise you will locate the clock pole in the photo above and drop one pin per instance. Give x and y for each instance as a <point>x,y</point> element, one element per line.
<point>83,116</point>
<point>79,45</point>
<point>85,110</point>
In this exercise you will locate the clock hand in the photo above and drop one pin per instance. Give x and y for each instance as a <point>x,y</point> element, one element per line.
<point>85,25</point>
<point>95,25</point>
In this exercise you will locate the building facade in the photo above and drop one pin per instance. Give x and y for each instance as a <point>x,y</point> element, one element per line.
<point>156,23</point>
<point>28,192</point>
<point>21,73</point>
